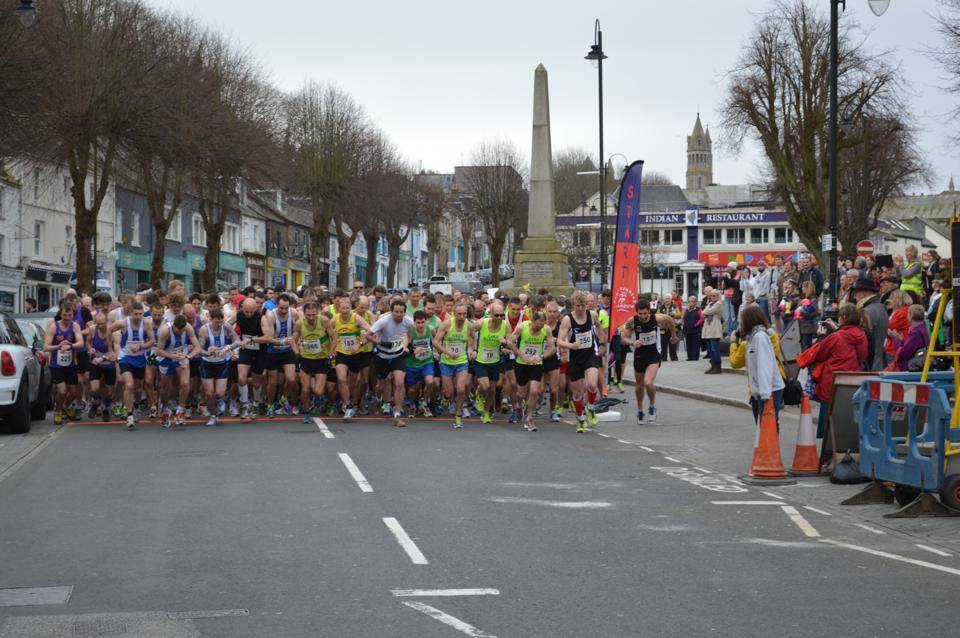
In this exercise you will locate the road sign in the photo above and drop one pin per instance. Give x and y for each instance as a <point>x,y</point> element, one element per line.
<point>826,242</point>
<point>865,248</point>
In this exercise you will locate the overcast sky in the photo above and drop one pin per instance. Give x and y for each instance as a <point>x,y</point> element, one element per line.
<point>438,77</point>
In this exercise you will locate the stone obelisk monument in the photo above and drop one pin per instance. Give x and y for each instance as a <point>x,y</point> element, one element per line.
<point>542,262</point>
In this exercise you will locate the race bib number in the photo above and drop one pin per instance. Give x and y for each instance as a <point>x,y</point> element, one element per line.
<point>249,343</point>
<point>489,354</point>
<point>531,350</point>
<point>422,354</point>
<point>455,348</point>
<point>312,346</point>
<point>64,358</point>
<point>176,351</point>
<point>348,342</point>
<point>648,338</point>
<point>395,345</point>
<point>584,340</point>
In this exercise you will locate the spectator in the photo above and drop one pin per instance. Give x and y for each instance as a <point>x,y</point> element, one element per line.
<point>918,338</point>
<point>931,272</point>
<point>888,283</point>
<point>934,303</point>
<point>810,272</point>
<point>29,305</point>
<point>846,285</point>
<point>843,350</point>
<point>875,321</point>
<point>760,286</point>
<point>808,314</point>
<point>732,295</point>
<point>789,302</point>
<point>910,271</point>
<point>668,346</point>
<point>897,304</point>
<point>692,323</point>
<point>713,330</point>
<point>757,350</point>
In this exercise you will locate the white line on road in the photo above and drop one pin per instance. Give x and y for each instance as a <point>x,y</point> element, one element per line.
<point>449,620</point>
<point>872,530</point>
<point>932,550</point>
<point>772,495</point>
<point>323,428</point>
<point>624,442</point>
<point>606,436</point>
<point>897,557</point>
<point>206,613</point>
<point>814,509</point>
<point>356,473</point>
<point>590,505</point>
<point>746,502</point>
<point>801,522</point>
<point>444,592</point>
<point>700,469</point>
<point>646,449</point>
<point>405,541</point>
<point>673,460</point>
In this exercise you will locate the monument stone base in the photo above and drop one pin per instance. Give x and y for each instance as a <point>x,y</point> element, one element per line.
<point>542,264</point>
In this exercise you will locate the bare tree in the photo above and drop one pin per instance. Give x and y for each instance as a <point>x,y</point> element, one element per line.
<point>778,95</point>
<point>948,53</point>
<point>656,178</point>
<point>571,190</point>
<point>433,203</point>
<point>325,130</point>
<point>495,183</point>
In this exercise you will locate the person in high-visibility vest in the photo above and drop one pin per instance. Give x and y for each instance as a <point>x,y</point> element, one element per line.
<point>910,273</point>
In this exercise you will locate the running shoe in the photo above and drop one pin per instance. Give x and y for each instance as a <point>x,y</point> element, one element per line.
<point>94,408</point>
<point>639,417</point>
<point>603,390</point>
<point>331,409</point>
<point>479,402</point>
<point>131,423</point>
<point>106,413</point>
<point>581,426</point>
<point>485,417</point>
<point>295,410</point>
<point>466,412</point>
<point>385,408</point>
<point>592,413</point>
<point>166,418</point>
<point>457,423</point>
<point>397,421</point>
<point>154,413</point>
<point>425,410</point>
<point>530,425</point>
<point>554,416</point>
<point>234,409</point>
<point>204,413</point>
<point>307,418</point>
<point>213,421</point>
<point>57,417</point>
<point>118,410</point>
<point>178,417</point>
<point>271,412</point>
<point>652,411</point>
<point>513,417</point>
<point>348,414</point>
<point>620,386</point>
<point>364,410</point>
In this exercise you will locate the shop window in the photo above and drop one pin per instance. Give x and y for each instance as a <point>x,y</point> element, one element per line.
<point>712,236</point>
<point>230,241</point>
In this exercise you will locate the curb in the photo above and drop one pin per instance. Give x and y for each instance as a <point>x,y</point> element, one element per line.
<point>697,396</point>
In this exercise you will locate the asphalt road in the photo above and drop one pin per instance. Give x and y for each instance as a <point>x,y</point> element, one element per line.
<point>284,529</point>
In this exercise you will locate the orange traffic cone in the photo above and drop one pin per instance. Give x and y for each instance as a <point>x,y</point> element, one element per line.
<point>767,467</point>
<point>806,461</point>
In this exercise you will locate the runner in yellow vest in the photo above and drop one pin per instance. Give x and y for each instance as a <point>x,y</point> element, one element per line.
<point>489,337</point>
<point>351,330</point>
<point>532,341</point>
<point>453,343</point>
<point>313,339</point>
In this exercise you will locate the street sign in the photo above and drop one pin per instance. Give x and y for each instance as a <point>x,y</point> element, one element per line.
<point>865,248</point>
<point>826,242</point>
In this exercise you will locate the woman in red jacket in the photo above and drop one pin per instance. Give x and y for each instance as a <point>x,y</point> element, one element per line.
<point>898,303</point>
<point>843,350</point>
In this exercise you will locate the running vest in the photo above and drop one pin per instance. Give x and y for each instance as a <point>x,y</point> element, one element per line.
<point>176,343</point>
<point>585,335</point>
<point>455,340</point>
<point>216,342</point>
<point>348,333</point>
<point>647,336</point>
<point>425,341</point>
<point>488,343</point>
<point>556,332</point>
<point>532,345</point>
<point>281,330</point>
<point>127,338</point>
<point>249,327</point>
<point>63,358</point>
<point>99,348</point>
<point>367,345</point>
<point>314,342</point>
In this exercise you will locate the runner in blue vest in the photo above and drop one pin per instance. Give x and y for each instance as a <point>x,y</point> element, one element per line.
<point>136,338</point>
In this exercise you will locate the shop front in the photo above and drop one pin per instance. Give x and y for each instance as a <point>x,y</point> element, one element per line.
<point>134,268</point>
<point>299,274</point>
<point>256,270</point>
<point>277,274</point>
<point>10,299</point>
<point>47,284</point>
<point>233,271</point>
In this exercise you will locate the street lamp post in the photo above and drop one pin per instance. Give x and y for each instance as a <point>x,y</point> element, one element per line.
<point>596,57</point>
<point>878,7</point>
<point>26,13</point>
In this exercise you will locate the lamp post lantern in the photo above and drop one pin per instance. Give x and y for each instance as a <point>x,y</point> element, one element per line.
<point>596,56</point>
<point>27,13</point>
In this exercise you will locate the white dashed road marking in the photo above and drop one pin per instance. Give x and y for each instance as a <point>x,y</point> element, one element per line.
<point>771,495</point>
<point>672,460</point>
<point>403,593</point>
<point>416,556</point>
<point>323,428</point>
<point>449,620</point>
<point>814,509</point>
<point>872,530</point>
<point>801,522</point>
<point>779,503</point>
<point>896,557</point>
<point>933,550</point>
<point>646,449</point>
<point>356,473</point>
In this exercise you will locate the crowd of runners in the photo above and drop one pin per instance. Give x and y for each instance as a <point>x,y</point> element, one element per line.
<point>169,356</point>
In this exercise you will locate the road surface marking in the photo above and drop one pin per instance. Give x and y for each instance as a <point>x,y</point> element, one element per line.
<point>814,509</point>
<point>206,613</point>
<point>24,596</point>
<point>590,505</point>
<point>801,522</point>
<point>323,427</point>
<point>772,495</point>
<point>356,473</point>
<point>700,469</point>
<point>645,448</point>
<point>872,530</point>
<point>444,592</point>
<point>32,453</point>
<point>624,442</point>
<point>405,541</point>
<point>449,620</point>
<point>897,557</point>
<point>607,436</point>
<point>673,460</point>
<point>747,503</point>
<point>932,550</point>
<point>712,483</point>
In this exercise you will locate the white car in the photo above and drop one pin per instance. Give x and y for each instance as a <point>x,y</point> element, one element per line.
<point>20,376</point>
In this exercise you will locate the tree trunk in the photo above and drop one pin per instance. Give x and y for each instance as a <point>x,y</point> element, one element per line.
<point>344,244</point>
<point>392,263</point>
<point>78,160</point>
<point>495,251</point>
<point>213,223</point>
<point>319,237</point>
<point>371,274</point>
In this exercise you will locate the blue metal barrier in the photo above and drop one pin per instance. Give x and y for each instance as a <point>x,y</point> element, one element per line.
<point>925,408</point>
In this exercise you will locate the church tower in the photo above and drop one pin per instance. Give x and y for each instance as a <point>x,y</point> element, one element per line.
<point>699,158</point>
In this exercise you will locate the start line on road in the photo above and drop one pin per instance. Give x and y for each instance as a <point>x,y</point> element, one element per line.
<point>712,482</point>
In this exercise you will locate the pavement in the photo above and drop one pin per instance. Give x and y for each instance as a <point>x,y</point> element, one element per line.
<point>280,528</point>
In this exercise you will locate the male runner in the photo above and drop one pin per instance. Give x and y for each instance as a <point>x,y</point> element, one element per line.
<point>578,334</point>
<point>642,332</point>
<point>216,341</point>
<point>62,340</point>
<point>350,329</point>
<point>313,339</point>
<point>419,363</point>
<point>452,341</point>
<point>252,356</point>
<point>491,336</point>
<point>277,327</point>
<point>176,343</point>
<point>136,337</point>
<point>531,341</point>
<point>389,333</point>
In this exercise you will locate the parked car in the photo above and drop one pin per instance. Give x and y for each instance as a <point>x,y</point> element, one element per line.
<point>20,378</point>
<point>34,334</point>
<point>466,282</point>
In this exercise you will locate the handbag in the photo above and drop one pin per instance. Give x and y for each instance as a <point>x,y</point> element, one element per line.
<point>792,392</point>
